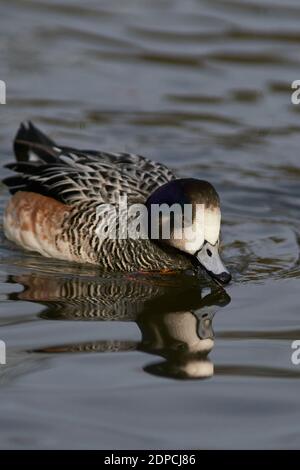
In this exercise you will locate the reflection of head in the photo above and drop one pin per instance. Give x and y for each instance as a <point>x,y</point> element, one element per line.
<point>183,327</point>
<point>191,369</point>
<point>184,340</point>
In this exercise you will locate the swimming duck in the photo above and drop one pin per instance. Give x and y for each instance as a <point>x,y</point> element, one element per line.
<point>59,192</point>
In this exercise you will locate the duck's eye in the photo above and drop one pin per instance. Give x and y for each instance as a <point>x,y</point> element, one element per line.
<point>209,252</point>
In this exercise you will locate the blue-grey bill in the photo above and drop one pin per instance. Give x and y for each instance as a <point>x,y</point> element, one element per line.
<point>210,259</point>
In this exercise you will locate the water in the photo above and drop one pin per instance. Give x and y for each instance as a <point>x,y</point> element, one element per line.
<point>98,361</point>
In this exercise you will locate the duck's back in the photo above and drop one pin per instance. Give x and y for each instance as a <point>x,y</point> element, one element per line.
<point>72,176</point>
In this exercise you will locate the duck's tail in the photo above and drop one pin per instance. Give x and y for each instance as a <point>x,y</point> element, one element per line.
<point>31,145</point>
<point>34,153</point>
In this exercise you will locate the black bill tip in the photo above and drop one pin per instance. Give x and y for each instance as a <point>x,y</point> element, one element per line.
<point>224,277</point>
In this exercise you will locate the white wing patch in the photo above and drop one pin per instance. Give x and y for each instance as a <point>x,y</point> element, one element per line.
<point>33,157</point>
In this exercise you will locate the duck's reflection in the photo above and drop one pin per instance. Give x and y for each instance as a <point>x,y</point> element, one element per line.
<point>174,314</point>
<point>183,339</point>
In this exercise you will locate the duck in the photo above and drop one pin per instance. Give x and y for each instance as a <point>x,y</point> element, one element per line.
<point>60,197</point>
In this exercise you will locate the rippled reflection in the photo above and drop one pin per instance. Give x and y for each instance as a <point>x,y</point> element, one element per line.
<point>174,314</point>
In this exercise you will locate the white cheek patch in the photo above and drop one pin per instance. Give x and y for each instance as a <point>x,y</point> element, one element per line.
<point>212,224</point>
<point>205,227</point>
<point>194,230</point>
<point>189,233</point>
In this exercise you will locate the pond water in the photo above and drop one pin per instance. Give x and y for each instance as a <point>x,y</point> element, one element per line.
<point>111,361</point>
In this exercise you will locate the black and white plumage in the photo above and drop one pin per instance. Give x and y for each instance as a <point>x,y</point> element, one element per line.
<point>58,193</point>
<point>74,176</point>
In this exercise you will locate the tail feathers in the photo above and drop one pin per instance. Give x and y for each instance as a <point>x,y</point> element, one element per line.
<point>30,145</point>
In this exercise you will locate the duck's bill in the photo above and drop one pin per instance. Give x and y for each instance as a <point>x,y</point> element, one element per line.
<point>210,259</point>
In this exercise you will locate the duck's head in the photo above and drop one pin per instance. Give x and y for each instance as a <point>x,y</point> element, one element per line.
<point>185,214</point>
